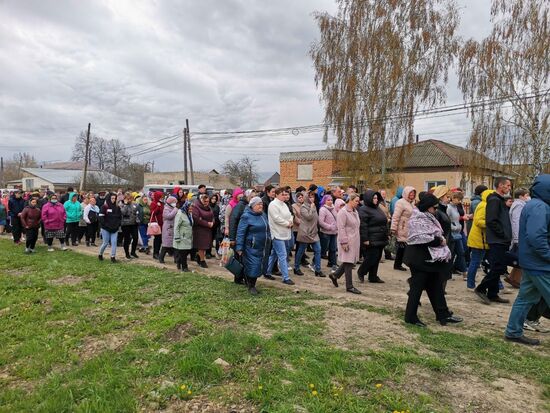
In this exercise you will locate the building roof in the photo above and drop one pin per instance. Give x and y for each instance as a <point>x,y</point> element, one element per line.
<point>271,178</point>
<point>319,155</point>
<point>68,165</point>
<point>71,176</point>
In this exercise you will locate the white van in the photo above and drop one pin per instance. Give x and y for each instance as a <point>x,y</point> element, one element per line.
<point>194,189</point>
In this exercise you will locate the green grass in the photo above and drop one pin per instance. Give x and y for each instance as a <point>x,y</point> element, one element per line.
<point>125,337</point>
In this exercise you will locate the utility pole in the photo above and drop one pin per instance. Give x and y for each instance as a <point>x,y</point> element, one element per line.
<point>1,172</point>
<point>383,177</point>
<point>189,148</point>
<point>83,180</point>
<point>185,156</point>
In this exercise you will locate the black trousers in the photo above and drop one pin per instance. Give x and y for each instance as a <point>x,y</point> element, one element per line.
<point>163,252</point>
<point>250,281</point>
<point>16,228</point>
<point>130,235</point>
<point>157,242</point>
<point>71,232</point>
<point>346,268</point>
<point>181,258</point>
<point>498,265</point>
<point>32,237</point>
<point>91,232</point>
<point>432,282</point>
<point>400,252</point>
<point>371,262</point>
<point>49,241</point>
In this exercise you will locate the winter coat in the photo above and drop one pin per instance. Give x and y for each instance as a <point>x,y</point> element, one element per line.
<point>110,216</point>
<point>3,212</point>
<point>183,232</point>
<point>477,237</point>
<point>99,201</point>
<point>402,213</point>
<point>296,216</point>
<point>73,209</point>
<point>515,213</point>
<point>254,240</point>
<point>168,218</point>
<point>327,220</point>
<point>130,214</point>
<point>145,212</point>
<point>418,257</point>
<point>454,216</point>
<point>374,224</point>
<point>235,217</point>
<point>156,208</point>
<point>497,215</point>
<point>53,216</point>
<point>475,201</point>
<point>30,217</point>
<point>15,206</point>
<point>534,229</point>
<point>266,201</point>
<point>308,231</point>
<point>202,232</point>
<point>348,233</point>
<point>397,197</point>
<point>279,219</point>
<point>444,220</point>
<point>90,214</point>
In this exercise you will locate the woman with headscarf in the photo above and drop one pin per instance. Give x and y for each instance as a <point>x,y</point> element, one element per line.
<point>183,235</point>
<point>109,220</point>
<point>328,230</point>
<point>238,193</point>
<point>348,242</point>
<point>214,199</point>
<point>53,216</point>
<point>400,223</point>
<point>253,242</point>
<point>428,257</point>
<point>168,217</point>
<point>203,221</point>
<point>157,208</point>
<point>374,235</point>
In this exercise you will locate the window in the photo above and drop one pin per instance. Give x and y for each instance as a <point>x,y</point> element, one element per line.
<point>431,184</point>
<point>29,184</point>
<point>305,172</point>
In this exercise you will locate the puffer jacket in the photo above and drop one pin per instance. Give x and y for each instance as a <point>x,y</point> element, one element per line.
<point>401,215</point>
<point>53,216</point>
<point>534,229</point>
<point>374,224</point>
<point>145,212</point>
<point>497,215</point>
<point>168,219</point>
<point>30,217</point>
<point>130,214</point>
<point>254,240</point>
<point>110,216</point>
<point>477,237</point>
<point>235,217</point>
<point>308,231</point>
<point>15,206</point>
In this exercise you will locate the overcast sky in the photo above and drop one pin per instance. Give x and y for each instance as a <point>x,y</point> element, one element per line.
<point>136,69</point>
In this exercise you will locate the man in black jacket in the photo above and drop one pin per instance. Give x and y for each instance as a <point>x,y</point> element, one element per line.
<point>499,237</point>
<point>16,204</point>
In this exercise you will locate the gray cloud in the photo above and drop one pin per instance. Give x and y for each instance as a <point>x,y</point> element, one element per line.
<point>137,69</point>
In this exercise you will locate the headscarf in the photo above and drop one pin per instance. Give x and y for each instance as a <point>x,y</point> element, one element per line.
<point>235,200</point>
<point>324,199</point>
<point>424,228</point>
<point>185,209</point>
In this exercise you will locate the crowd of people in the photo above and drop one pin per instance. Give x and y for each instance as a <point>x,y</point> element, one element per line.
<point>280,232</point>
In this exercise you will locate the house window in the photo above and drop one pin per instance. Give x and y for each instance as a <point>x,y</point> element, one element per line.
<point>29,184</point>
<point>431,184</point>
<point>305,172</point>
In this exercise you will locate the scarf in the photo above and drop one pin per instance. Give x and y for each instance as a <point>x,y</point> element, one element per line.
<point>235,200</point>
<point>423,229</point>
<point>185,209</point>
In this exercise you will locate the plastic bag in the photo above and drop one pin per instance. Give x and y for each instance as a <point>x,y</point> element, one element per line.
<point>225,251</point>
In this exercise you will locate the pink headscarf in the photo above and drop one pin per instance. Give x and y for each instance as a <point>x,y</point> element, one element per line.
<point>235,200</point>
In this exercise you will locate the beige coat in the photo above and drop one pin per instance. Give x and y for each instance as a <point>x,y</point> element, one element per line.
<point>401,215</point>
<point>308,231</point>
<point>348,233</point>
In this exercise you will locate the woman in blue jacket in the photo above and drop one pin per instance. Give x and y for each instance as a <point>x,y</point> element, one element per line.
<point>253,242</point>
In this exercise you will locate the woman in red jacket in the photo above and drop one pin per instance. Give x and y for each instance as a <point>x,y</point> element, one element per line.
<point>30,220</point>
<point>157,208</point>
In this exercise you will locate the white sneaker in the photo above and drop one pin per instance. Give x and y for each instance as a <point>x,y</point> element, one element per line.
<point>64,248</point>
<point>50,249</point>
<point>311,267</point>
<point>534,326</point>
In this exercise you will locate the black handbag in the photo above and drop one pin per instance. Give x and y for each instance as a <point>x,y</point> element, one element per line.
<point>234,266</point>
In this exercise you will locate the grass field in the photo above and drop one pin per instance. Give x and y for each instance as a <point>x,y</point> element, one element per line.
<point>78,335</point>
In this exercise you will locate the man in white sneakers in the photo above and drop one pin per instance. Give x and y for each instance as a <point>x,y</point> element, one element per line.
<point>280,225</point>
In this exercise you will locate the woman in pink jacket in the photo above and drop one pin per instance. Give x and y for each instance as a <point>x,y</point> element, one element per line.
<point>53,217</point>
<point>400,224</point>
<point>348,242</point>
<point>328,230</point>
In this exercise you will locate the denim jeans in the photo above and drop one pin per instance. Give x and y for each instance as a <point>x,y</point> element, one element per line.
<point>476,256</point>
<point>316,255</point>
<point>107,237</point>
<point>534,284</point>
<point>143,235</point>
<point>458,255</point>
<point>278,252</point>
<point>328,244</point>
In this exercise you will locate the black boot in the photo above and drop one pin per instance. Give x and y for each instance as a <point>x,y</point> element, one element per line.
<point>113,260</point>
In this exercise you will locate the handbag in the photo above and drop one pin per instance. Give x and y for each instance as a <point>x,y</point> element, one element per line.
<point>234,266</point>
<point>153,228</point>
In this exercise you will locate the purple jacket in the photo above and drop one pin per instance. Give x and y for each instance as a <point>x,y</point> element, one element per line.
<point>54,216</point>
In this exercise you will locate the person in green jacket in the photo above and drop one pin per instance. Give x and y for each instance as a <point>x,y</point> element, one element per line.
<point>145,212</point>
<point>74,213</point>
<point>183,235</point>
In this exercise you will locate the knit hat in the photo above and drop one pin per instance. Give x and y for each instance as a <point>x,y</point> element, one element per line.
<point>255,201</point>
<point>440,191</point>
<point>312,187</point>
<point>171,200</point>
<point>248,192</point>
<point>427,201</point>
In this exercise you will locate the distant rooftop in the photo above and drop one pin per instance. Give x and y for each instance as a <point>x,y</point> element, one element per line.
<point>71,176</point>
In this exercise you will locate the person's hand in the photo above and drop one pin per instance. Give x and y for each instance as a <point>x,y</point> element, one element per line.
<point>226,232</point>
<point>290,224</point>
<point>239,253</point>
<point>210,224</point>
<point>443,241</point>
<point>345,247</point>
<point>366,243</point>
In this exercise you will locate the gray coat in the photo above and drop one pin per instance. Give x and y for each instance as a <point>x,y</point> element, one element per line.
<point>130,214</point>
<point>168,217</point>
<point>183,232</point>
<point>308,231</point>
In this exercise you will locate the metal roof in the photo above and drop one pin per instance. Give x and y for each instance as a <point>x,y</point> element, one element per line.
<point>71,176</point>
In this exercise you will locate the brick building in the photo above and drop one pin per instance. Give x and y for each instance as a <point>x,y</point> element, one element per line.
<point>424,164</point>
